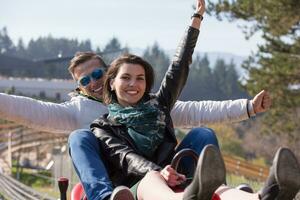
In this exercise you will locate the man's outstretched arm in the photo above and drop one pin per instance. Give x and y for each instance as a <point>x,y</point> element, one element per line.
<point>197,113</point>
<point>47,116</point>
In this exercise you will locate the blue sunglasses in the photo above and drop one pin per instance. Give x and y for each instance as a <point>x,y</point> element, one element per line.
<point>95,75</point>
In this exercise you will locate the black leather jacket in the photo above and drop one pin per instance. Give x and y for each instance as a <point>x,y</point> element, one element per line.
<point>124,163</point>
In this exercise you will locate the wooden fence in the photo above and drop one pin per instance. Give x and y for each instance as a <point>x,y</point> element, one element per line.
<point>243,168</point>
<point>234,165</point>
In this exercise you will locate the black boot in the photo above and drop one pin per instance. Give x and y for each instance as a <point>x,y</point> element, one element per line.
<point>284,174</point>
<point>245,187</point>
<point>209,175</point>
<point>121,193</point>
<point>270,192</point>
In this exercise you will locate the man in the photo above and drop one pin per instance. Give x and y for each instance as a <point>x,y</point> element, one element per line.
<point>85,104</point>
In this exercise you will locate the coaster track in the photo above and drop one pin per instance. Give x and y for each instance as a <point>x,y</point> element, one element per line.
<point>13,189</point>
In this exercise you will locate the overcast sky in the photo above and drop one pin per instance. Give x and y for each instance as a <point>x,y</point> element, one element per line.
<point>137,23</point>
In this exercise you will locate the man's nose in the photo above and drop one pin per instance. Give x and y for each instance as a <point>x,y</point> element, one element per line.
<point>93,82</point>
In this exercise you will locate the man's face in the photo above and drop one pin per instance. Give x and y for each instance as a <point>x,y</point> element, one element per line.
<point>95,87</point>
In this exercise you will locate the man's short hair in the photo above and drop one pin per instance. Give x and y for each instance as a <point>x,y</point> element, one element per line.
<point>81,57</point>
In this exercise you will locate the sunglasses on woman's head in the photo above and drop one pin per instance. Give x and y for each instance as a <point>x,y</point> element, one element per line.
<point>95,75</point>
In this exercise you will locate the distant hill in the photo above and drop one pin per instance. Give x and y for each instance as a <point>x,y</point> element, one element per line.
<point>212,56</point>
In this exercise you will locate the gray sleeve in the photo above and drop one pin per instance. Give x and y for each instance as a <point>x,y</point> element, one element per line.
<point>198,113</point>
<point>43,116</point>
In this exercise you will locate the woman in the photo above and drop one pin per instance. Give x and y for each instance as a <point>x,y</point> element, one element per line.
<point>127,153</point>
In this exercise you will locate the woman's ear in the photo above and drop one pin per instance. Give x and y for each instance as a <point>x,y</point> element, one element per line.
<point>111,83</point>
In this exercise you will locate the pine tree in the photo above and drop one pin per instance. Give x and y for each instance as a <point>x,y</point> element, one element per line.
<point>21,49</point>
<point>6,44</point>
<point>112,50</point>
<point>159,61</point>
<point>276,66</point>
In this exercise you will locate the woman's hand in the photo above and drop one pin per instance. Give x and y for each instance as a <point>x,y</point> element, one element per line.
<point>200,7</point>
<point>171,176</point>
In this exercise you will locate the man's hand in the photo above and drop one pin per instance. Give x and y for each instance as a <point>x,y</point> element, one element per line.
<point>261,102</point>
<point>171,176</point>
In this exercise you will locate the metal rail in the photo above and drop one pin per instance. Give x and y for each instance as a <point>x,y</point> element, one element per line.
<point>13,189</point>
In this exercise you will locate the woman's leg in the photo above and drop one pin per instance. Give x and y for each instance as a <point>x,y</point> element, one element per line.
<point>210,173</point>
<point>153,186</point>
<point>227,193</point>
<point>85,153</point>
<point>196,140</point>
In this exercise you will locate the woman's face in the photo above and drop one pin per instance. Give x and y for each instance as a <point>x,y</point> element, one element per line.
<point>129,84</point>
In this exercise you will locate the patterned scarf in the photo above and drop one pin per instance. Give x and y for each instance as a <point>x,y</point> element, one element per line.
<point>144,122</point>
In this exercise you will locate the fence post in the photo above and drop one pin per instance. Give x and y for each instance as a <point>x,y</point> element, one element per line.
<point>238,166</point>
<point>9,153</point>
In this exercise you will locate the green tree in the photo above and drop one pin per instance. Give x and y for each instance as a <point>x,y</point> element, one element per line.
<point>113,45</point>
<point>49,47</point>
<point>234,89</point>
<point>112,50</point>
<point>6,44</point>
<point>21,49</point>
<point>219,75</point>
<point>159,60</point>
<point>207,80</point>
<point>276,64</point>
<point>200,85</point>
<point>217,83</point>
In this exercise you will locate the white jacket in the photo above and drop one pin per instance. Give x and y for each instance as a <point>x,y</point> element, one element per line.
<point>80,111</point>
